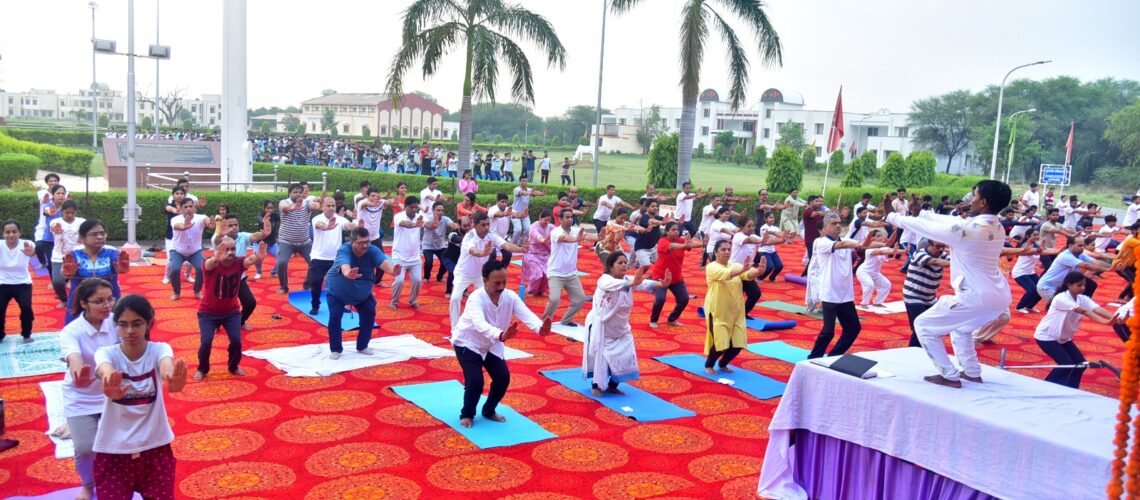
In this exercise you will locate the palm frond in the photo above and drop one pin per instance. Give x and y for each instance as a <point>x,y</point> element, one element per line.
<point>622,6</point>
<point>438,41</point>
<point>737,60</point>
<point>694,31</point>
<point>484,70</point>
<point>522,81</point>
<point>425,13</point>
<point>410,50</point>
<point>768,41</point>
<point>520,23</point>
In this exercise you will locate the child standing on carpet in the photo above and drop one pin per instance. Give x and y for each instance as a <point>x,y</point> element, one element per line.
<point>92,329</point>
<point>489,319</point>
<point>132,445</point>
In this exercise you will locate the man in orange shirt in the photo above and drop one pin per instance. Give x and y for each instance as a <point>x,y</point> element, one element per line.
<point>1125,262</point>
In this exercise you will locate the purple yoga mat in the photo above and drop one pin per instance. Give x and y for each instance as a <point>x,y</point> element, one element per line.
<point>793,278</point>
<point>68,494</point>
<point>40,271</point>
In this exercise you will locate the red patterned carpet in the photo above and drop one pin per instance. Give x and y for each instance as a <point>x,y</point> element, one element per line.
<point>349,436</point>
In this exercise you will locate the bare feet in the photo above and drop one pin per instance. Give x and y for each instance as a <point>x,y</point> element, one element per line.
<point>466,422</point>
<point>940,380</point>
<point>199,375</point>
<point>334,355</point>
<point>652,324</point>
<point>197,295</point>
<point>597,392</point>
<point>239,372</point>
<point>495,417</point>
<point>282,291</point>
<point>615,390</point>
<point>84,493</point>
<point>726,369</point>
<point>29,340</point>
<point>709,370</point>
<point>175,297</point>
<point>367,351</point>
<point>676,323</point>
<point>392,306</point>
<point>976,380</point>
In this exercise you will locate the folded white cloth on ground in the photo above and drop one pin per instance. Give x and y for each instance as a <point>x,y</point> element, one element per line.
<point>573,332</point>
<point>53,405</point>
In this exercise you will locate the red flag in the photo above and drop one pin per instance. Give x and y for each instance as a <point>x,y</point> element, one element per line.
<point>1069,145</point>
<point>836,124</point>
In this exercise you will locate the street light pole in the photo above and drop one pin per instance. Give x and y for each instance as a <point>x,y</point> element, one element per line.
<point>156,64</point>
<point>997,127</point>
<point>1013,141</point>
<point>94,89</point>
<point>130,210</point>
<point>598,120</point>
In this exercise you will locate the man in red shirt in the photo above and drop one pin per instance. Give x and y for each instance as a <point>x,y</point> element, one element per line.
<point>812,217</point>
<point>425,159</point>
<point>219,307</point>
<point>670,258</point>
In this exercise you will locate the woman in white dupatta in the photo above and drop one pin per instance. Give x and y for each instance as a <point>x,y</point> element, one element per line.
<point>609,356</point>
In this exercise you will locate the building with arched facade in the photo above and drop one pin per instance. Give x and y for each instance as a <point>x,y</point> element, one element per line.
<point>415,116</point>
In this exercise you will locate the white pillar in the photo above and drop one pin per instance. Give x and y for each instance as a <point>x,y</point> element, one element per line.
<point>236,166</point>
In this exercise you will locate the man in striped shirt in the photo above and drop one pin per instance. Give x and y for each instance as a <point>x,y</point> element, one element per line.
<point>294,235</point>
<point>920,289</point>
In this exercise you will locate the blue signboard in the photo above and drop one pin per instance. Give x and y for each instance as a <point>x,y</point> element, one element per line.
<point>1055,174</point>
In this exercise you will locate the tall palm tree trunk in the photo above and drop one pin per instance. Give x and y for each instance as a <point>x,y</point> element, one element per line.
<point>466,119</point>
<point>688,129</point>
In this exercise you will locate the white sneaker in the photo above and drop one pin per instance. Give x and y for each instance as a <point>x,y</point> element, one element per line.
<point>256,276</point>
<point>334,355</point>
<point>1023,310</point>
<point>165,280</point>
<point>367,351</point>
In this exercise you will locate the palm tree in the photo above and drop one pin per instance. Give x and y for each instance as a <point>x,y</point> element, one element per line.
<point>697,16</point>
<point>487,30</point>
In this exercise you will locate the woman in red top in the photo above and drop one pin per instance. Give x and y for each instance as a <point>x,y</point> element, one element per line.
<point>671,256</point>
<point>468,207</point>
<point>397,202</point>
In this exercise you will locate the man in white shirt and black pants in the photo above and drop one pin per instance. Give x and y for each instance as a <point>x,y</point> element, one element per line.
<point>837,288</point>
<point>328,235</point>
<point>981,292</point>
<point>489,319</point>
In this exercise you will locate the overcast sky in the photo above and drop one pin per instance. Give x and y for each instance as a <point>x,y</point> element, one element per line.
<point>885,53</point>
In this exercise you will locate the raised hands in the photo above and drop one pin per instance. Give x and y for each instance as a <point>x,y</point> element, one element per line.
<point>639,276</point>
<point>397,269</point>
<point>545,329</point>
<point>176,379</point>
<point>29,249</point>
<point>57,229</point>
<point>510,332</point>
<point>82,377</point>
<point>353,273</point>
<point>667,280</point>
<point>113,386</point>
<point>69,267</point>
<point>123,265</point>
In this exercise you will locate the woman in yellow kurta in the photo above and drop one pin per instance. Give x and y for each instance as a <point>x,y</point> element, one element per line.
<point>725,333</point>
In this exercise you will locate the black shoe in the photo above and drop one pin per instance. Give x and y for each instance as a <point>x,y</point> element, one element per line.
<point>573,324</point>
<point>314,310</point>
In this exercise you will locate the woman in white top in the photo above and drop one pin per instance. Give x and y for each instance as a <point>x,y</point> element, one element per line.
<point>93,328</point>
<point>744,246</point>
<point>15,279</point>
<point>870,274</point>
<point>1054,334</point>
<point>720,229</point>
<point>66,231</point>
<point>773,235</point>
<point>132,446</point>
<point>608,355</point>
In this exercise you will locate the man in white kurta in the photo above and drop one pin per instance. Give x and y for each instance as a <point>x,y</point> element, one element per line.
<point>490,318</point>
<point>981,292</point>
<point>473,253</point>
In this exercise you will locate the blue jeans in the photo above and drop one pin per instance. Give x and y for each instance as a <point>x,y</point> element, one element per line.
<point>174,271</point>
<point>208,325</point>
<point>1063,354</point>
<point>774,265</point>
<point>271,250</point>
<point>367,310</point>
<point>1028,283</point>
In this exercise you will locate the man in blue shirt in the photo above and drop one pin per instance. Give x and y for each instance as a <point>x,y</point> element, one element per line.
<point>1072,259</point>
<point>349,283</point>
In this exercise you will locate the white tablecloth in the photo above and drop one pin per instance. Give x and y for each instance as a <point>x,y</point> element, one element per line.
<point>1012,436</point>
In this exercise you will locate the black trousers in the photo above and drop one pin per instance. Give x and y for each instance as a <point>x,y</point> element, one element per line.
<point>379,243</point>
<point>1063,354</point>
<point>751,294</point>
<point>22,294</point>
<point>848,320</point>
<point>913,310</point>
<point>315,278</point>
<point>247,300</point>
<point>545,176</point>
<point>1129,275</point>
<point>680,296</point>
<point>429,260</point>
<point>43,253</point>
<point>473,366</point>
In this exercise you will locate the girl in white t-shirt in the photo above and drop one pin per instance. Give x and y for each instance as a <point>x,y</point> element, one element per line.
<point>1054,334</point>
<point>870,275</point>
<point>132,446</point>
<point>82,393</point>
<point>15,280</point>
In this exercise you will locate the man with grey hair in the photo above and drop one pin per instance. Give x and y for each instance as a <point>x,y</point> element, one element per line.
<point>837,289</point>
<point>923,276</point>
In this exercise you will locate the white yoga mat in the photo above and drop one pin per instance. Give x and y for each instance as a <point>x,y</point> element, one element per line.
<point>895,307</point>
<point>572,332</point>
<point>53,404</point>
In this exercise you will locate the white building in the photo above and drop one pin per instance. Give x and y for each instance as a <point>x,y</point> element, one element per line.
<point>882,131</point>
<point>414,118</point>
<point>206,111</point>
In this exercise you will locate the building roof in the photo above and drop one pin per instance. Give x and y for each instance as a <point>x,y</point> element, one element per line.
<point>786,97</point>
<point>382,100</point>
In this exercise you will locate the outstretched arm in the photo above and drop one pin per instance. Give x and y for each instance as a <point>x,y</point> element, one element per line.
<point>942,228</point>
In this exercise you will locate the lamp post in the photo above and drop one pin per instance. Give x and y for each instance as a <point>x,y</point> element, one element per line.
<point>598,120</point>
<point>526,130</point>
<point>131,209</point>
<point>1013,141</point>
<point>997,127</point>
<point>156,63</point>
<point>94,87</point>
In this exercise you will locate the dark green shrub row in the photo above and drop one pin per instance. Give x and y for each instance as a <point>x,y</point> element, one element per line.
<point>17,166</point>
<point>55,158</point>
<point>51,136</point>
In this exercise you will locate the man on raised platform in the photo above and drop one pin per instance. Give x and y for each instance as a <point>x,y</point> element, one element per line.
<point>981,292</point>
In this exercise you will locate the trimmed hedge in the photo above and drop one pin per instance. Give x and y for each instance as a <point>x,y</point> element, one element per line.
<point>56,137</point>
<point>17,166</point>
<point>55,158</point>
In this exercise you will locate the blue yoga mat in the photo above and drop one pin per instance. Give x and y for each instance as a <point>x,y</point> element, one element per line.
<point>443,400</point>
<point>302,300</point>
<point>759,324</point>
<point>40,271</point>
<point>642,406</point>
<point>751,383</point>
<point>780,350</point>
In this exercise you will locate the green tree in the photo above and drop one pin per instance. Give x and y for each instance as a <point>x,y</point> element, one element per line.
<point>292,123</point>
<point>786,170</point>
<point>485,33</point>
<point>726,139</point>
<point>738,155</point>
<point>853,176</point>
<point>395,133</point>
<point>328,120</point>
<point>104,121</point>
<point>870,163</point>
<point>367,132</point>
<point>1124,132</point>
<point>479,137</point>
<point>697,18</point>
<point>792,135</point>
<point>893,173</point>
<point>554,142</point>
<point>147,123</point>
<point>719,153</point>
<point>808,160</point>
<point>920,168</point>
<point>662,169</point>
<point>266,127</point>
<point>497,139</point>
<point>835,162</point>
<point>946,123</point>
<point>517,139</point>
<point>454,136</point>
<point>700,151</point>
<point>650,127</point>
<point>759,156</point>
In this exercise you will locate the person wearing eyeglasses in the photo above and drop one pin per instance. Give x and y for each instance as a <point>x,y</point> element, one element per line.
<point>95,259</point>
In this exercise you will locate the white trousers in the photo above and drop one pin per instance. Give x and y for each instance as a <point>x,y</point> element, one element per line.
<point>416,270</point>
<point>458,287</point>
<point>959,319</point>
<point>991,329</point>
<point>873,284</point>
